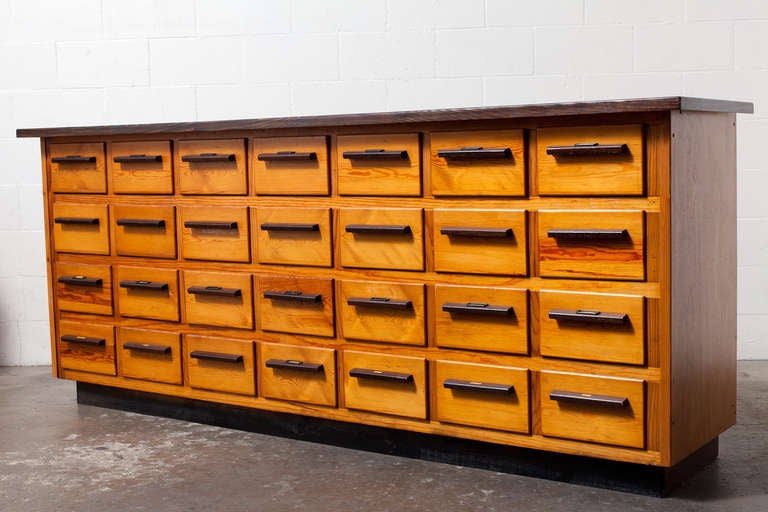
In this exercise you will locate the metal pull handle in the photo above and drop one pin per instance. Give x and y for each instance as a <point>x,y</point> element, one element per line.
<point>595,235</point>
<point>293,296</point>
<point>287,156</point>
<point>141,223</point>
<point>292,364</point>
<point>73,159</point>
<point>80,280</point>
<point>89,221</point>
<point>591,316</point>
<point>209,224</point>
<point>215,291</point>
<point>84,340</point>
<point>127,159</point>
<point>288,226</point>
<point>486,387</point>
<point>216,356</point>
<point>365,373</point>
<point>617,402</point>
<point>143,285</point>
<point>147,347</point>
<point>377,229</point>
<point>380,302</point>
<point>376,154</point>
<point>209,157</point>
<point>478,308</point>
<point>478,232</point>
<point>588,149</point>
<point>474,153</point>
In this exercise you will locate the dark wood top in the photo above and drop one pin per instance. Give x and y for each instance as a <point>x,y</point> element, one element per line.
<point>417,116</point>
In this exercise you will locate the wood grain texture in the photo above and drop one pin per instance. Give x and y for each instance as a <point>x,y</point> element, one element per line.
<point>85,177</point>
<point>228,377</point>
<point>87,358</point>
<point>298,317</point>
<point>310,248</point>
<point>305,177</point>
<point>153,304</point>
<point>140,177</point>
<point>380,177</point>
<point>81,238</point>
<point>312,387</point>
<point>149,241</point>
<point>49,256</point>
<point>82,298</point>
<point>215,243</point>
<point>152,366</point>
<point>226,311</point>
<point>218,177</point>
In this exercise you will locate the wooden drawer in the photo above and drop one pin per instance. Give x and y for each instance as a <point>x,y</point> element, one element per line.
<point>590,160</point>
<point>378,311</point>
<point>84,288</point>
<point>478,163</point>
<point>390,239</point>
<point>294,236</point>
<point>220,364</point>
<point>481,241</point>
<point>296,305</point>
<point>149,355</point>
<point>224,299</point>
<point>481,318</point>
<point>80,228</point>
<point>481,395</point>
<point>86,347</point>
<point>592,326</point>
<point>298,374</point>
<point>142,167</point>
<point>78,168</point>
<point>605,244</point>
<point>148,293</point>
<point>148,231</point>
<point>290,166</point>
<point>379,165</point>
<point>593,408</point>
<point>215,233</point>
<point>385,383</point>
<point>215,166</point>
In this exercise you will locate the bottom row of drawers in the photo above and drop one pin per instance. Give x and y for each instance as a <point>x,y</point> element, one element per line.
<point>575,406</point>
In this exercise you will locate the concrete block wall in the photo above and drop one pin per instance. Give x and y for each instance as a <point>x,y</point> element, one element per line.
<point>84,62</point>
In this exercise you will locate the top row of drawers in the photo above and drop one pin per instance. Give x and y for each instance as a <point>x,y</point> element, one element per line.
<point>591,160</point>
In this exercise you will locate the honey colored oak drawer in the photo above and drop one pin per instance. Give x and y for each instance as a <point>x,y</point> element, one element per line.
<point>379,311</point>
<point>84,288</point>
<point>149,355</point>
<point>142,167</point>
<point>595,244</point>
<point>478,163</point>
<point>592,326</point>
<point>215,166</point>
<point>148,293</point>
<point>217,233</point>
<point>481,318</point>
<point>224,299</point>
<point>86,347</point>
<point>220,364</point>
<point>294,236</point>
<point>298,374</point>
<point>593,408</point>
<point>80,228</point>
<point>296,305</point>
<point>385,383</point>
<point>148,231</point>
<point>78,168</point>
<point>379,165</point>
<point>480,241</point>
<point>290,166</point>
<point>390,239</point>
<point>481,395</point>
<point>590,160</point>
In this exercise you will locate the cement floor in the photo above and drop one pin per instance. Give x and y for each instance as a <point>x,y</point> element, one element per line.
<point>56,455</point>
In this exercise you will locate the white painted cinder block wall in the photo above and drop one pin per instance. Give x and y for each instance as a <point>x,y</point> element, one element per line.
<point>84,62</point>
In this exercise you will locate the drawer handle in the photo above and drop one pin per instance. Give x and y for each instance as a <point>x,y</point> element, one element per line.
<point>478,232</point>
<point>376,154</point>
<point>380,302</point>
<point>80,280</point>
<point>147,347</point>
<point>597,235</point>
<point>215,290</point>
<point>143,285</point>
<point>209,224</point>
<point>141,223</point>
<point>73,159</point>
<point>591,316</point>
<point>365,373</point>
<point>287,226</point>
<point>471,385</point>
<point>84,340</point>
<point>588,149</point>
<point>617,402</point>
<point>377,229</point>
<point>127,159</point>
<point>293,296</point>
<point>209,157</point>
<point>478,308</point>
<point>292,364</point>
<point>474,153</point>
<point>287,156</point>
<point>89,221</point>
<point>216,356</point>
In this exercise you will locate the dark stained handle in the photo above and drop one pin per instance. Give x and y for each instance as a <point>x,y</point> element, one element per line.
<point>141,223</point>
<point>594,235</point>
<point>467,232</point>
<point>365,373</point>
<point>209,157</point>
<point>588,149</point>
<point>127,159</point>
<point>380,302</point>
<point>90,221</point>
<point>377,229</point>
<point>478,308</point>
<point>287,156</point>
<point>209,224</point>
<point>289,226</point>
<point>73,159</point>
<point>84,340</point>
<point>486,387</point>
<point>591,316</point>
<point>376,154</point>
<point>143,285</point>
<point>216,356</point>
<point>147,347</point>
<point>617,402</point>
<point>292,364</point>
<point>80,280</point>
<point>293,296</point>
<point>474,153</point>
<point>217,291</point>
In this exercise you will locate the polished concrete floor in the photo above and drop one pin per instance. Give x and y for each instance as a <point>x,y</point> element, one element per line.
<point>56,455</point>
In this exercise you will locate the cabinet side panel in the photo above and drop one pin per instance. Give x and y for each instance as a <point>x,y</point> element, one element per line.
<point>47,200</point>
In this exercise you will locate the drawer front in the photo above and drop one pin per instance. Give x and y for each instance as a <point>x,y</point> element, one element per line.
<point>224,299</point>
<point>84,288</point>
<point>478,163</point>
<point>148,231</point>
<point>385,384</point>
<point>149,355</point>
<point>217,233</point>
<point>220,364</point>
<point>148,293</point>
<point>77,168</point>
<point>80,228</point>
<point>290,166</point>
<point>296,305</point>
<point>590,160</point>
<point>606,244</point>
<point>298,374</point>
<point>379,165</point>
<point>215,166</point>
<point>592,326</point>
<point>482,396</point>
<point>481,241</point>
<point>86,347</point>
<point>296,236</point>
<point>143,167</point>
<point>481,318</point>
<point>591,408</point>
<point>378,311</point>
<point>390,239</point>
